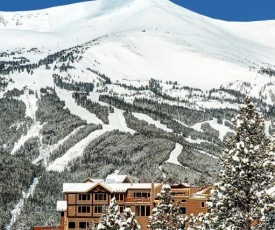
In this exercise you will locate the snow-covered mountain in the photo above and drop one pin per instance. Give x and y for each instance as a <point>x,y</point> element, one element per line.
<point>134,50</point>
<point>176,43</point>
<point>141,86</point>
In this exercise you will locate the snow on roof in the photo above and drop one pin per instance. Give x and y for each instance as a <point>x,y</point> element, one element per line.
<point>61,206</point>
<point>93,180</point>
<point>112,187</point>
<point>77,187</point>
<point>203,191</point>
<point>123,187</point>
<point>113,178</point>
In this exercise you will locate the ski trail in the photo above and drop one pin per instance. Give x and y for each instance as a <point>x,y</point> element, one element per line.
<point>76,151</point>
<point>32,132</point>
<point>30,101</point>
<point>174,155</point>
<point>116,121</point>
<point>46,152</point>
<point>77,109</point>
<point>208,154</point>
<point>18,207</point>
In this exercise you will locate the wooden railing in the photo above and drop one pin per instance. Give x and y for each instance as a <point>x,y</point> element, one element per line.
<point>135,199</point>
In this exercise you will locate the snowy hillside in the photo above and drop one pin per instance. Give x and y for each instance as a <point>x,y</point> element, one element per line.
<point>140,86</point>
<point>126,57</point>
<point>175,43</point>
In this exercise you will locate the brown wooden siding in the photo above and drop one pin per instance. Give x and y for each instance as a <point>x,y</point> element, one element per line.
<point>46,228</point>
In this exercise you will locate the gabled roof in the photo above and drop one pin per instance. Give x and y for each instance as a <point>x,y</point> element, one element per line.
<point>93,180</point>
<point>77,187</point>
<point>123,187</point>
<point>111,187</point>
<point>83,187</point>
<point>114,178</point>
<point>174,183</point>
<point>206,191</point>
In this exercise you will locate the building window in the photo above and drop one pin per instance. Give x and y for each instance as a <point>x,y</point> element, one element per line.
<point>71,224</point>
<point>183,201</point>
<point>83,209</point>
<point>83,225</point>
<point>143,210</point>
<point>202,204</point>
<point>121,209</point>
<point>182,210</point>
<point>100,196</point>
<point>119,197</point>
<point>142,195</point>
<point>85,196</point>
<point>98,209</point>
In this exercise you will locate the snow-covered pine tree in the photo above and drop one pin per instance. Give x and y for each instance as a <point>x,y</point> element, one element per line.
<point>200,222</point>
<point>110,218</point>
<point>267,196</point>
<point>130,222</point>
<point>166,216</point>
<point>234,203</point>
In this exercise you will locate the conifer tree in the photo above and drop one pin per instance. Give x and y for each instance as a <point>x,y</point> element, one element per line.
<point>267,195</point>
<point>166,216</point>
<point>130,222</point>
<point>200,222</point>
<point>110,219</point>
<point>235,203</point>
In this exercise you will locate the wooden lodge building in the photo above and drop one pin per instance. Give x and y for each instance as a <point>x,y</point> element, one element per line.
<point>83,202</point>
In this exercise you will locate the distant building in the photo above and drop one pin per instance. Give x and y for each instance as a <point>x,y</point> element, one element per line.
<point>83,202</point>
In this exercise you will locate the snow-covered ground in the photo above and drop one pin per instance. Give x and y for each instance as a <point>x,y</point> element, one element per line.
<point>32,132</point>
<point>18,207</point>
<point>150,120</point>
<point>197,141</point>
<point>76,151</point>
<point>75,109</point>
<point>31,103</point>
<point>210,155</point>
<point>174,155</point>
<point>215,125</point>
<point>116,121</point>
<point>46,150</point>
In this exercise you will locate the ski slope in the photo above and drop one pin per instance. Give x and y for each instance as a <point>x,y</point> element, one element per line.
<point>150,120</point>
<point>174,155</point>
<point>134,42</point>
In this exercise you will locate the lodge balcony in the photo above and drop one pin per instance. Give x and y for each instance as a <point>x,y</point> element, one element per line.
<point>137,200</point>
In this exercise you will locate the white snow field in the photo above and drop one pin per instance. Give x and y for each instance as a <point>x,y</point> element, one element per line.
<point>76,151</point>
<point>143,39</point>
<point>174,155</point>
<point>84,114</point>
<point>215,125</point>
<point>33,131</point>
<point>150,120</point>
